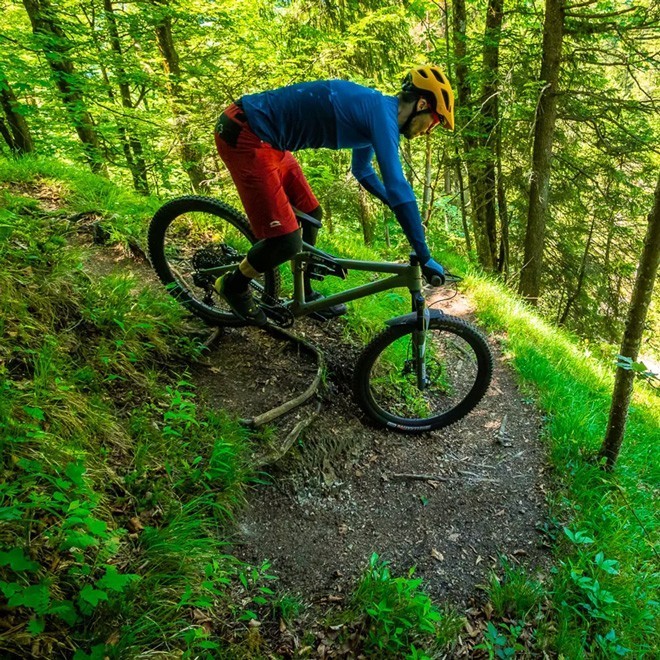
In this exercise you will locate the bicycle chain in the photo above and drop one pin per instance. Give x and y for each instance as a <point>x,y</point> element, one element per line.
<point>280,314</point>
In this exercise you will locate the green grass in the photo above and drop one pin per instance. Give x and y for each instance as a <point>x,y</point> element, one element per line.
<point>122,213</point>
<point>117,488</point>
<point>605,589</point>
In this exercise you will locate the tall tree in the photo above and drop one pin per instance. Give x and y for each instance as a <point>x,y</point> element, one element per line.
<point>632,336</point>
<point>490,123</point>
<point>16,132</point>
<point>57,48</point>
<point>131,143</point>
<point>190,152</point>
<point>482,190</point>
<point>544,131</point>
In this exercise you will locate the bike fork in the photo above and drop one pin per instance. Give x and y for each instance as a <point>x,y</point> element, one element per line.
<point>419,339</point>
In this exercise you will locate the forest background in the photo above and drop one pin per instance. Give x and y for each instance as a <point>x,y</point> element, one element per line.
<point>544,186</point>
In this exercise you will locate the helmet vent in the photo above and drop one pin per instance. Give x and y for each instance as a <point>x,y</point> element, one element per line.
<point>438,76</point>
<point>445,96</point>
<point>423,73</point>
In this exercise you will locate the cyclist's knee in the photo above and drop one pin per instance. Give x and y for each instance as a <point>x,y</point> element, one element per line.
<point>317,213</point>
<point>272,252</point>
<point>309,231</point>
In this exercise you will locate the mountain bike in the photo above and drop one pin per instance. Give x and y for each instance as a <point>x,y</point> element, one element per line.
<point>424,371</point>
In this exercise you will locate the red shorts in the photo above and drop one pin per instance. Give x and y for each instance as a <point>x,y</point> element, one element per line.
<point>268,181</point>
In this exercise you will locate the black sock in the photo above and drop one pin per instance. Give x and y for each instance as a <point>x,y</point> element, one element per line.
<point>236,282</point>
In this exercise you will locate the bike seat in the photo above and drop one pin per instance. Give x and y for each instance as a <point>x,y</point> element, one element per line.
<point>305,217</point>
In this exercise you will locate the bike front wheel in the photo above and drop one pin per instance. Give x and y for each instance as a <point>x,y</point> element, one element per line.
<point>459,368</point>
<point>190,238</point>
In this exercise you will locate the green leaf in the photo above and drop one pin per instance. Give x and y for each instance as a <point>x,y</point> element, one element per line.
<point>92,596</point>
<point>75,472</point>
<point>36,413</point>
<point>78,540</point>
<point>11,513</point>
<point>17,560</point>
<point>10,588</point>
<point>114,580</point>
<point>96,526</point>
<point>36,626</point>
<point>35,597</point>
<point>65,610</point>
<point>579,537</point>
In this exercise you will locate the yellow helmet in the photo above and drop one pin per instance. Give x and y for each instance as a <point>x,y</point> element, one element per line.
<point>431,83</point>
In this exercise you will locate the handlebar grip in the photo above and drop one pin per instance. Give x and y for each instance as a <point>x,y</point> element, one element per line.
<point>436,280</point>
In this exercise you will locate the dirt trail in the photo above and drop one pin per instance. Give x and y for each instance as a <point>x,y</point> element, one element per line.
<point>334,499</point>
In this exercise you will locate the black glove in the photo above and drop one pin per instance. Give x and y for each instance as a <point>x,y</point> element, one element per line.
<point>433,273</point>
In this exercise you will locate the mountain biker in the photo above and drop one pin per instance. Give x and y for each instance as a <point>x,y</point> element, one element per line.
<point>256,135</point>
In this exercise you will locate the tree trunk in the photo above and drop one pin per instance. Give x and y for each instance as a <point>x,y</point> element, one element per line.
<point>407,153</point>
<point>366,219</point>
<point>571,298</point>
<point>426,198</point>
<point>489,122</point>
<point>478,194</point>
<point>461,190</point>
<point>503,261</point>
<point>190,152</point>
<point>21,139</point>
<point>327,215</point>
<point>56,47</point>
<point>6,135</point>
<point>632,336</point>
<point>544,130</point>
<point>133,146</point>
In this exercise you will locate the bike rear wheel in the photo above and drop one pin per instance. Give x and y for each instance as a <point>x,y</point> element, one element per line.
<point>459,368</point>
<point>191,234</point>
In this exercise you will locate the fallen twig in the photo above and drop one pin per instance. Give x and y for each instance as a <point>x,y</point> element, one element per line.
<point>420,477</point>
<point>274,413</point>
<point>437,477</point>
<point>291,437</point>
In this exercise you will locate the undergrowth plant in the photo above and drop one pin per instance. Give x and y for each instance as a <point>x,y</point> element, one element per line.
<point>116,485</point>
<point>396,616</point>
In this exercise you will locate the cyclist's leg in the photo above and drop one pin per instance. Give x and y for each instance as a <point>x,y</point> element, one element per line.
<point>301,196</point>
<point>255,169</point>
<point>271,252</point>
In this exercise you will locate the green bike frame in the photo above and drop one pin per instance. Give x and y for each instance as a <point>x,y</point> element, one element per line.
<point>403,275</point>
<point>407,276</point>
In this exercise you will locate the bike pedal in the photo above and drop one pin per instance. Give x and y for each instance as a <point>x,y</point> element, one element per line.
<point>278,315</point>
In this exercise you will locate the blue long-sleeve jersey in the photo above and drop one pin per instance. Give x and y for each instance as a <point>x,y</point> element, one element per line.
<point>337,114</point>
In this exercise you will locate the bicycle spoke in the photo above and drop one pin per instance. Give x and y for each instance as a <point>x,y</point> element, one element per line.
<point>192,240</point>
<point>197,242</point>
<point>451,370</point>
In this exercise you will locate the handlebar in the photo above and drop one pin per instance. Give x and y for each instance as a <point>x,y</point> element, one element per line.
<point>436,280</point>
<point>450,278</point>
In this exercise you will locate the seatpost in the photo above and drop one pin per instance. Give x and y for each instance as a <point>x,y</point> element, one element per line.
<point>298,266</point>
